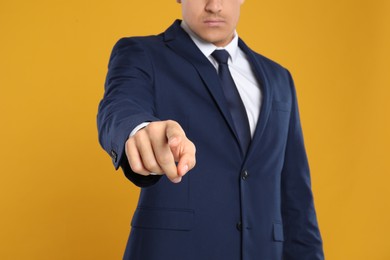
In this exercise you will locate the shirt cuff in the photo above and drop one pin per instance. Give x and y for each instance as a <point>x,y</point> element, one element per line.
<point>138,127</point>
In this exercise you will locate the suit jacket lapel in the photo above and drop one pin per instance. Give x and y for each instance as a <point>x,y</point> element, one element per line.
<point>179,41</point>
<point>266,89</point>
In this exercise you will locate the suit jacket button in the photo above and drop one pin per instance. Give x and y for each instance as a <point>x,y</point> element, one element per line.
<point>114,156</point>
<point>239,226</point>
<point>244,175</point>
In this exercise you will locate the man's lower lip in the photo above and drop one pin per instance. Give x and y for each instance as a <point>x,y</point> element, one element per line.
<point>213,23</point>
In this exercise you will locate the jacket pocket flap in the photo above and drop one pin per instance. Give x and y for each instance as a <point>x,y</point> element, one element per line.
<point>278,232</point>
<point>162,218</point>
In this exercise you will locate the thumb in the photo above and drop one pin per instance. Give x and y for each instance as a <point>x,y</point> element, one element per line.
<point>175,136</point>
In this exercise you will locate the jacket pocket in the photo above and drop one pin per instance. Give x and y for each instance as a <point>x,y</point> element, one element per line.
<point>278,232</point>
<point>163,218</point>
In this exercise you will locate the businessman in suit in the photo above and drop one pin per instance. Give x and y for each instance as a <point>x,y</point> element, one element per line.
<point>210,131</point>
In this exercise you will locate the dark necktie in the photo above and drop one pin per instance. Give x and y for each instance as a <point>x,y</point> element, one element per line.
<point>236,107</point>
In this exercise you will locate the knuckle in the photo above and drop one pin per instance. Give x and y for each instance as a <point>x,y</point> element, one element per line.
<point>151,165</point>
<point>190,146</point>
<point>128,145</point>
<point>173,124</point>
<point>129,141</point>
<point>138,137</point>
<point>137,168</point>
<point>153,127</point>
<point>164,158</point>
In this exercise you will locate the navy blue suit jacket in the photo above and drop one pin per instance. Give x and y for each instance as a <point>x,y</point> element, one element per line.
<point>232,205</point>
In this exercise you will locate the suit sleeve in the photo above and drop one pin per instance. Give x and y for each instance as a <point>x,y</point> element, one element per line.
<point>302,237</point>
<point>128,101</point>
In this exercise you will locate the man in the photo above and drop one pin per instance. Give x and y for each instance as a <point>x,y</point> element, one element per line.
<point>198,87</point>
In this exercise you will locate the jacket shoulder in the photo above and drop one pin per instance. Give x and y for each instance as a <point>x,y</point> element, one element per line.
<point>269,63</point>
<point>127,42</point>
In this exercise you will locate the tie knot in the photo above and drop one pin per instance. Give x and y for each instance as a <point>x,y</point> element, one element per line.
<point>221,56</point>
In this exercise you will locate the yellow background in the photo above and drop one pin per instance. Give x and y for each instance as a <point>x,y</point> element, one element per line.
<point>60,197</point>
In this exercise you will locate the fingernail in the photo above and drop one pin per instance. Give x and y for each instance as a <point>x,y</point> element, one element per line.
<point>176,180</point>
<point>184,169</point>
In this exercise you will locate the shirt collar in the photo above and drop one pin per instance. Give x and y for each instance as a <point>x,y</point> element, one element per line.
<point>208,48</point>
